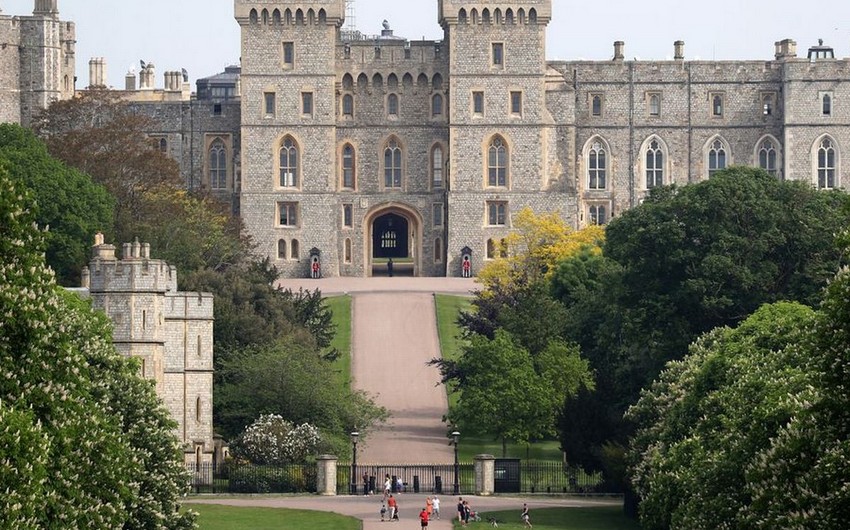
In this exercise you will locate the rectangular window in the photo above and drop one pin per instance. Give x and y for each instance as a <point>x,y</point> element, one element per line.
<point>597,214</point>
<point>307,103</point>
<point>438,214</point>
<point>287,214</point>
<point>716,105</point>
<point>497,213</point>
<point>516,102</point>
<point>269,104</point>
<point>288,55</point>
<point>478,102</point>
<point>217,109</point>
<point>596,105</point>
<point>768,102</point>
<point>347,216</point>
<point>498,54</point>
<point>826,103</point>
<point>653,102</point>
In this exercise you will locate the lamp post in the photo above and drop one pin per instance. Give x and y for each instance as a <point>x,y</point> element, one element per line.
<point>455,440</point>
<point>354,437</point>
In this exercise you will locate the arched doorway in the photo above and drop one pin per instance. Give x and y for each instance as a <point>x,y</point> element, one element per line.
<point>393,235</point>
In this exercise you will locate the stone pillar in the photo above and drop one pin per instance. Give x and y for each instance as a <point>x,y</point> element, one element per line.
<point>485,475</point>
<point>326,475</point>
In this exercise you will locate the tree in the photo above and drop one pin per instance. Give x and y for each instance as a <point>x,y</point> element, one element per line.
<point>101,136</point>
<point>292,380</point>
<point>506,393</point>
<point>710,254</point>
<point>534,248</point>
<point>71,407</point>
<point>66,201</point>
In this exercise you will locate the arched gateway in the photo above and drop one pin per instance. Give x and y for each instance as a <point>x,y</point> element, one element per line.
<point>393,232</point>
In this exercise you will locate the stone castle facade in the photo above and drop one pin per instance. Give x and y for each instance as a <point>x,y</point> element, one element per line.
<point>169,331</point>
<point>364,148</point>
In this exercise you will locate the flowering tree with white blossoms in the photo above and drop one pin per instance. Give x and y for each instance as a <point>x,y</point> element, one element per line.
<point>272,440</point>
<point>84,441</point>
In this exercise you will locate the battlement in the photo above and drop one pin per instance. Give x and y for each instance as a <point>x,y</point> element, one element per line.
<point>301,12</point>
<point>135,272</point>
<point>188,306</point>
<point>459,12</point>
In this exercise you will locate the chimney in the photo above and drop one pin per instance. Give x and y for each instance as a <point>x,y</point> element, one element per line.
<point>146,250</point>
<point>97,72</point>
<point>679,50</point>
<point>146,77</point>
<point>786,49</point>
<point>100,250</point>
<point>619,50</point>
<point>130,82</point>
<point>46,8</point>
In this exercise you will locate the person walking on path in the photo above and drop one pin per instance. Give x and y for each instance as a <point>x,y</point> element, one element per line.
<point>383,512</point>
<point>393,506</point>
<point>429,506</point>
<point>387,486</point>
<point>467,511</point>
<point>423,518</point>
<point>436,506</point>
<point>525,516</point>
<point>366,483</point>
<point>460,509</point>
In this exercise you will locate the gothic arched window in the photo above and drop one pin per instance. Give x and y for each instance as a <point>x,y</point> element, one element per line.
<point>348,167</point>
<point>826,164</point>
<point>217,158</point>
<point>392,165</point>
<point>767,156</point>
<point>597,167</point>
<point>716,157</point>
<point>497,163</point>
<point>654,165</point>
<point>288,164</point>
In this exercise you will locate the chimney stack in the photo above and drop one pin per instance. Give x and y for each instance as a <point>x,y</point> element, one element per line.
<point>130,81</point>
<point>97,72</point>
<point>619,50</point>
<point>786,49</point>
<point>679,50</point>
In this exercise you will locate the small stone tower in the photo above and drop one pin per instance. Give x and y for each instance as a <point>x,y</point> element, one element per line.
<point>171,333</point>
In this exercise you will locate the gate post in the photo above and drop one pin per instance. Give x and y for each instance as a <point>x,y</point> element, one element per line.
<point>485,475</point>
<point>326,475</point>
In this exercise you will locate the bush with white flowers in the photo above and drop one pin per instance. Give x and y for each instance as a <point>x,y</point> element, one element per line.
<point>272,440</point>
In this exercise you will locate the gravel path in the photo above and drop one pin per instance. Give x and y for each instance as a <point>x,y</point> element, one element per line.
<point>394,335</point>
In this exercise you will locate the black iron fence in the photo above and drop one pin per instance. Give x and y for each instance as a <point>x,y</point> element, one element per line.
<point>511,476</point>
<point>234,477</point>
<point>418,478</point>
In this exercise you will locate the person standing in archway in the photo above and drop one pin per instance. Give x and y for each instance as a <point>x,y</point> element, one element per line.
<point>390,268</point>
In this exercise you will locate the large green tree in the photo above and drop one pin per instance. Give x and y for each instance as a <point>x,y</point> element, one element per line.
<point>85,441</point>
<point>688,260</point>
<point>507,393</point>
<point>290,379</point>
<point>66,200</point>
<point>710,418</point>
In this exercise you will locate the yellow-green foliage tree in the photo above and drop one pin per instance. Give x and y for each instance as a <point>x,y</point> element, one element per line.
<point>533,250</point>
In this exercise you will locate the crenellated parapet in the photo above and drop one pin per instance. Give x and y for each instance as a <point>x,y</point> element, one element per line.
<point>286,13</point>
<point>460,12</point>
<point>135,271</point>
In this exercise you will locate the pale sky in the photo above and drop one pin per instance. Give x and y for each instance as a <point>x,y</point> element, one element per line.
<point>202,35</point>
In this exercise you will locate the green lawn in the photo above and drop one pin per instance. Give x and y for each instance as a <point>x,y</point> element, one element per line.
<point>473,445</point>
<point>340,306</point>
<point>603,518</point>
<point>448,309</point>
<point>216,517</point>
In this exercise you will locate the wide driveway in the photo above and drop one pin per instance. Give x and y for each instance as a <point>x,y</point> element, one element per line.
<point>394,336</point>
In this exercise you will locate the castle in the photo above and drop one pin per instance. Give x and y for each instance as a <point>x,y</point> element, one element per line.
<point>355,149</point>
<point>170,332</point>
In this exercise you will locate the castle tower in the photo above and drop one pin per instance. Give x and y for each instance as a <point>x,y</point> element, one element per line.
<point>47,60</point>
<point>497,67</point>
<point>288,118</point>
<point>170,332</point>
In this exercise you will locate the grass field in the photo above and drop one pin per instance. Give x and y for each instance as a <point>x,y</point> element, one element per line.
<point>340,306</point>
<point>473,445</point>
<point>215,517</point>
<point>448,309</point>
<point>603,518</point>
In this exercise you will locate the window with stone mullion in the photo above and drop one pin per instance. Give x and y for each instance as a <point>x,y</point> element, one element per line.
<point>654,166</point>
<point>392,166</point>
